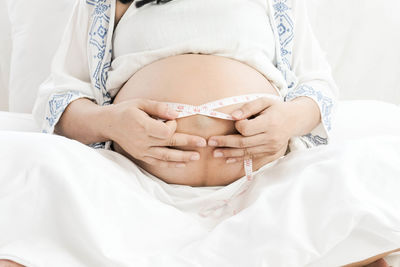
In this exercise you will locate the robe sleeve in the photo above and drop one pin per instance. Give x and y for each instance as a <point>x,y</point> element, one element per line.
<point>70,74</point>
<point>313,75</point>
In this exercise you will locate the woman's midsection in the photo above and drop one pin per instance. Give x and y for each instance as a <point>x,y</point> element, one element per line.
<point>197,79</point>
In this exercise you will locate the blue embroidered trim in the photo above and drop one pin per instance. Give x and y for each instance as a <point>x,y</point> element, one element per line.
<point>285,27</point>
<point>57,105</point>
<point>98,33</point>
<point>285,30</point>
<point>98,145</point>
<point>316,140</point>
<point>325,103</point>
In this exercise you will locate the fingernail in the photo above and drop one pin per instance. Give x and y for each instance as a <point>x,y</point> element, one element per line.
<point>218,154</point>
<point>195,157</point>
<point>237,114</point>
<point>230,161</point>
<point>171,112</point>
<point>180,165</point>
<point>202,143</point>
<point>212,143</point>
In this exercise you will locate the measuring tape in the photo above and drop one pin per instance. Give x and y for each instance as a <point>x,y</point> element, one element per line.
<point>208,109</point>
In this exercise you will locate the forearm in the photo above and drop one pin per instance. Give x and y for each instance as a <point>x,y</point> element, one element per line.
<point>304,115</point>
<point>85,122</point>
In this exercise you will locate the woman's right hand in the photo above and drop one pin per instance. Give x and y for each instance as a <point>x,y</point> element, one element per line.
<point>147,139</point>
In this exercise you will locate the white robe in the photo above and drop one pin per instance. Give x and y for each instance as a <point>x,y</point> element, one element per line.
<point>81,64</point>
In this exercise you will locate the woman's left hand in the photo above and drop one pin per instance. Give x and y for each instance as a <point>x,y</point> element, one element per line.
<point>265,126</point>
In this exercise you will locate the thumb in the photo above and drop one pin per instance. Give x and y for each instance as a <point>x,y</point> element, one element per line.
<point>158,109</point>
<point>171,125</point>
<point>252,108</point>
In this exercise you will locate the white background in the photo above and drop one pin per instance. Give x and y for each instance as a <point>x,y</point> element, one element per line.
<point>5,54</point>
<point>361,38</point>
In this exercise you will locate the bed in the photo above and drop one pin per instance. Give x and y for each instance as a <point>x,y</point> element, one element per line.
<point>366,69</point>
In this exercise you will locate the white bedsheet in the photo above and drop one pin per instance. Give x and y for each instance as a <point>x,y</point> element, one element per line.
<point>37,185</point>
<point>64,204</point>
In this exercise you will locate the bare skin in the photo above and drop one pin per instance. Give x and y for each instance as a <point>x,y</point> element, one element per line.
<point>7,263</point>
<point>214,80</point>
<point>120,10</point>
<point>91,135</point>
<point>376,261</point>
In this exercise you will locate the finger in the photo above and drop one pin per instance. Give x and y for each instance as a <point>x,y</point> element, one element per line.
<point>255,126</point>
<point>252,108</point>
<point>235,160</point>
<point>168,154</point>
<point>157,109</point>
<point>172,125</point>
<point>158,129</point>
<point>163,164</point>
<point>241,152</point>
<point>180,139</point>
<point>237,141</point>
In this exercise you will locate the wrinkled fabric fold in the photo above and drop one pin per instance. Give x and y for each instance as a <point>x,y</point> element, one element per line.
<point>65,204</point>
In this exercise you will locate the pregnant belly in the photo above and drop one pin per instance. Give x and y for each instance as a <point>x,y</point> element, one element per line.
<point>196,79</point>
